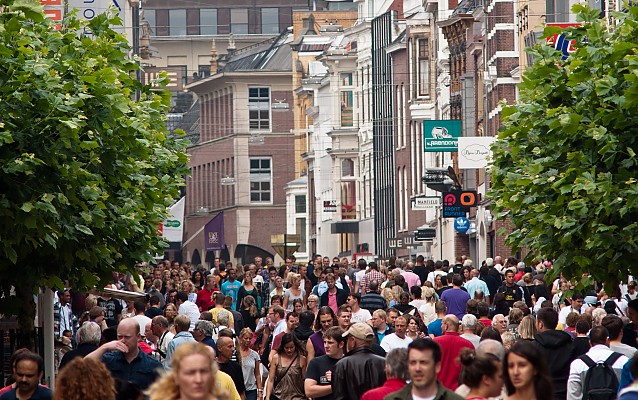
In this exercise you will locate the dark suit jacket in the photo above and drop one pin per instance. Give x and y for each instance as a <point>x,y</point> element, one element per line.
<point>342,297</point>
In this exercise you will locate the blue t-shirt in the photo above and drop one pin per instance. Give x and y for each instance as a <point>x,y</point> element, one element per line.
<point>231,289</point>
<point>435,328</point>
<point>41,392</point>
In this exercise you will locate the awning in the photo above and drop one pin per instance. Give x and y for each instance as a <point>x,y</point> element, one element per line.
<point>345,227</point>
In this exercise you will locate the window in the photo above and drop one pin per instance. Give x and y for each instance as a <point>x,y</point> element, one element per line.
<point>239,21</point>
<point>259,108</point>
<point>260,180</point>
<point>345,79</point>
<point>347,167</point>
<point>204,70</point>
<point>422,67</point>
<point>348,200</point>
<point>177,22</point>
<point>208,21</point>
<point>149,16</point>
<point>270,20</point>
<point>346,108</point>
<point>300,204</point>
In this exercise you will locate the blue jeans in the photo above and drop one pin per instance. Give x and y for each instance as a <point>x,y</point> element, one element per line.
<point>251,394</point>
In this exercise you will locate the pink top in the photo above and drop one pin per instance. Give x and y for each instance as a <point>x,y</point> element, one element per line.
<point>332,301</point>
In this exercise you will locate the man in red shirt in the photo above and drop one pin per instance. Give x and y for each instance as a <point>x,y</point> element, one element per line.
<point>205,296</point>
<point>451,345</point>
<point>396,373</point>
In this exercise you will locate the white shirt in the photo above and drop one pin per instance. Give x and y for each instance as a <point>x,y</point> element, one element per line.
<point>143,320</point>
<point>392,341</point>
<point>564,312</point>
<point>280,327</point>
<point>362,315</point>
<point>578,369</point>
<point>432,275</point>
<point>358,276</point>
<point>189,309</point>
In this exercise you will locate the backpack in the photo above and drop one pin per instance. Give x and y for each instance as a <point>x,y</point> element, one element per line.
<point>601,382</point>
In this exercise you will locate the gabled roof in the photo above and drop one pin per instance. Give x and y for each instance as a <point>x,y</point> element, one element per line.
<point>265,56</point>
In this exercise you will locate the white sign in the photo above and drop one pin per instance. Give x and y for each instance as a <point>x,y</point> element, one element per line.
<point>173,226</point>
<point>88,9</point>
<point>329,206</point>
<point>475,151</point>
<point>426,203</point>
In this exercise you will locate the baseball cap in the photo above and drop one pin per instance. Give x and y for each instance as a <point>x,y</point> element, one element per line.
<point>360,331</point>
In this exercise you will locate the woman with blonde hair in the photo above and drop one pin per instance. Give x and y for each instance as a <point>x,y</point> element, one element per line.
<point>250,364</point>
<point>389,297</point>
<point>527,328</point>
<point>428,314</point>
<point>77,381</point>
<point>192,375</point>
<point>294,292</point>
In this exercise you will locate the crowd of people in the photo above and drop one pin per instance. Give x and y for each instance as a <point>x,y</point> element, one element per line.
<point>341,329</point>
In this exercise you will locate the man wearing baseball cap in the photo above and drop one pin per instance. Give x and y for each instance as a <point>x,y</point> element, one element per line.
<point>360,370</point>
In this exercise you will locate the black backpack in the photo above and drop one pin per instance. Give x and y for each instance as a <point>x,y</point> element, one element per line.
<point>601,382</point>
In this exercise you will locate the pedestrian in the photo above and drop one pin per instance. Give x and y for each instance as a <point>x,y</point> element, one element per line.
<point>250,364</point>
<point>451,344</point>
<point>28,368</point>
<point>483,374</point>
<point>526,373</point>
<point>326,318</point>
<point>557,347</point>
<point>577,385</point>
<point>287,369</point>
<point>192,375</point>
<point>424,363</point>
<point>360,370</point>
<point>125,359</point>
<point>396,372</point>
<point>77,382</point>
<point>88,339</point>
<point>318,379</point>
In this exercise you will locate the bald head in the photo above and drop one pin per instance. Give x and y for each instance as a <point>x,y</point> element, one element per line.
<point>451,322</point>
<point>129,323</point>
<point>474,273</point>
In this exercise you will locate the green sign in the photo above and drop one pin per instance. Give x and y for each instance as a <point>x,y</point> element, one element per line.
<point>441,135</point>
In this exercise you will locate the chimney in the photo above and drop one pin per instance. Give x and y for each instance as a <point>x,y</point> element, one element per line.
<point>213,58</point>
<point>308,26</point>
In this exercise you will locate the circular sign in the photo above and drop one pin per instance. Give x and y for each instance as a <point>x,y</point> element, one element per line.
<point>462,224</point>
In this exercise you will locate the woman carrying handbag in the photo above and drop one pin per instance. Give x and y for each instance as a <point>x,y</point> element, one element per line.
<point>287,369</point>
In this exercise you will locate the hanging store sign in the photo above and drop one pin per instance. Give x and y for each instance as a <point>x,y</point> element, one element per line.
<point>441,135</point>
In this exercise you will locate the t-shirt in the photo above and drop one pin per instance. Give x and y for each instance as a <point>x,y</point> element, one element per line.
<point>317,369</point>
<point>435,328</point>
<point>362,315</point>
<point>41,392</point>
<point>112,310</point>
<point>248,369</point>
<point>456,301</point>
<point>292,298</point>
<point>231,289</point>
<point>233,369</point>
<point>392,341</point>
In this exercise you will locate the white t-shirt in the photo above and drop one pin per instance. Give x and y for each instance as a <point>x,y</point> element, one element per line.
<point>359,275</point>
<point>392,341</point>
<point>362,315</point>
<point>432,275</point>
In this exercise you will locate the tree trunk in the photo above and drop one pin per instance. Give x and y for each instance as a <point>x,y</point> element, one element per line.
<point>26,316</point>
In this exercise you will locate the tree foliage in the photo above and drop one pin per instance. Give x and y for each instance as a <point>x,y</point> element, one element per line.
<point>565,167</point>
<point>86,172</point>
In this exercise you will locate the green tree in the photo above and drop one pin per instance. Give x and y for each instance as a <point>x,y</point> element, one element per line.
<point>86,172</point>
<point>565,167</point>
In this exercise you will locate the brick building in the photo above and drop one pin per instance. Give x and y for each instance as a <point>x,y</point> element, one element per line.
<point>245,154</point>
